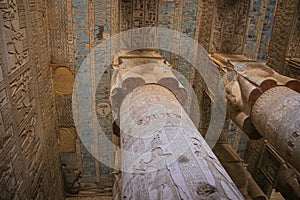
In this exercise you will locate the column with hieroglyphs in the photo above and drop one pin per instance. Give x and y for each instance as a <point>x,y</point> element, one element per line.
<point>163,156</point>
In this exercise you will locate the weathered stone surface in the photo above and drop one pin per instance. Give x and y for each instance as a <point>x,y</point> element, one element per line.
<point>91,23</point>
<point>294,45</point>
<point>63,81</point>
<point>255,25</point>
<point>90,198</point>
<point>288,183</point>
<point>276,116</point>
<point>245,82</point>
<point>229,25</point>
<point>95,21</point>
<point>248,88</point>
<point>63,105</point>
<point>205,14</point>
<point>294,67</point>
<point>235,168</point>
<point>74,27</point>
<point>30,167</point>
<point>67,137</point>
<point>278,47</point>
<point>61,21</point>
<point>165,166</point>
<point>260,26</point>
<point>135,71</point>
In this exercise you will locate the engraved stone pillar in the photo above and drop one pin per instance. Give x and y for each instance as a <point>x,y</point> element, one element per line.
<point>163,154</point>
<point>276,115</point>
<point>245,82</point>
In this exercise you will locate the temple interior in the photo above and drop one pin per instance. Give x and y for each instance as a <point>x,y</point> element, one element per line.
<point>149,99</point>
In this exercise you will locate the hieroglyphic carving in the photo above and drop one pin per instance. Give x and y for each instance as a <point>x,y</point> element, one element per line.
<point>135,14</point>
<point>104,116</point>
<point>177,15</point>
<point>22,94</point>
<point>106,23</point>
<point>141,16</point>
<point>103,21</point>
<point>138,7</point>
<point>5,110</point>
<point>254,28</point>
<point>267,30</point>
<point>278,47</point>
<point>115,17</point>
<point>176,25</point>
<point>138,14</point>
<point>83,16</point>
<point>61,26</point>
<point>229,26</point>
<point>64,110</point>
<point>6,132</point>
<point>27,103</point>
<point>81,34</point>
<point>1,128</point>
<point>206,10</point>
<point>245,82</point>
<point>93,22</point>
<point>15,32</point>
<point>270,163</point>
<point>189,14</point>
<point>187,25</point>
<point>151,14</point>
<point>1,75</point>
<point>125,15</point>
<point>31,145</point>
<point>173,161</point>
<point>294,45</point>
<point>166,20</point>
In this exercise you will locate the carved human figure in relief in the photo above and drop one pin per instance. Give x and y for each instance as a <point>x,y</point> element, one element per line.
<point>157,161</point>
<point>162,183</point>
<point>164,186</point>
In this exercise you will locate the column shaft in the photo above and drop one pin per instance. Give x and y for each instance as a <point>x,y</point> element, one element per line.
<point>276,115</point>
<point>163,154</point>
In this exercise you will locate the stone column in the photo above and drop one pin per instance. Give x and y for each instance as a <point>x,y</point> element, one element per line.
<point>276,115</point>
<point>163,154</point>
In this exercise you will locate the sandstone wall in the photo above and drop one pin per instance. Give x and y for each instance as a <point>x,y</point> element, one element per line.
<point>29,161</point>
<point>279,42</point>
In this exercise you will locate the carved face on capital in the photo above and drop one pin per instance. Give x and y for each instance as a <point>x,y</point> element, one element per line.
<point>233,93</point>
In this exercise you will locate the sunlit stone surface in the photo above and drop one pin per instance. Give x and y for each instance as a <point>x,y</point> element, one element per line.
<point>163,154</point>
